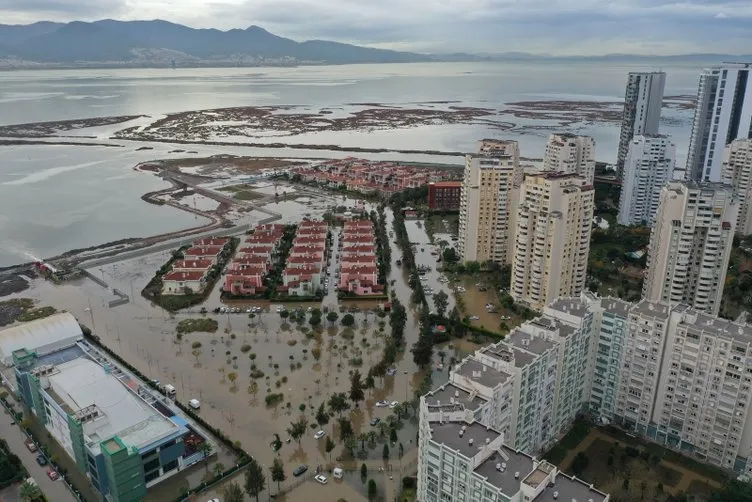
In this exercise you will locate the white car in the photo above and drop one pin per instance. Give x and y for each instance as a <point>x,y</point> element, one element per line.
<point>393,404</point>
<point>381,404</point>
<point>319,434</point>
<point>321,479</point>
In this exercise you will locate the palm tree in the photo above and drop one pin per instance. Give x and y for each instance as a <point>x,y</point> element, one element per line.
<point>29,492</point>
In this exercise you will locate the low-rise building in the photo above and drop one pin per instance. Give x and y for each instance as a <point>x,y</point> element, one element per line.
<point>444,195</point>
<point>180,283</point>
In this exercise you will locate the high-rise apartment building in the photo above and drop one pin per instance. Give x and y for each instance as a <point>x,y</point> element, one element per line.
<point>552,239</point>
<point>643,101</point>
<point>648,166</point>
<point>690,245</point>
<point>723,114</point>
<point>570,154</point>
<point>489,192</point>
<point>737,172</point>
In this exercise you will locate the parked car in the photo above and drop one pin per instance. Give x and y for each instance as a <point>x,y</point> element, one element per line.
<point>32,447</point>
<point>391,371</point>
<point>375,421</point>
<point>382,404</point>
<point>393,405</point>
<point>299,470</point>
<point>321,479</point>
<point>41,460</point>
<point>53,474</point>
<point>319,434</point>
<point>338,473</point>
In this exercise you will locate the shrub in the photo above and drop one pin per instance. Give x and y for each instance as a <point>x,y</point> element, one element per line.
<point>245,348</point>
<point>274,399</point>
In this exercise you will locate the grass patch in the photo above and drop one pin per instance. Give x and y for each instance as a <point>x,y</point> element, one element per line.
<point>246,195</point>
<point>197,325</point>
<point>34,314</point>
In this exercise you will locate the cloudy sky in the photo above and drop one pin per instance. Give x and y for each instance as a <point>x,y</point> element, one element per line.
<point>540,26</point>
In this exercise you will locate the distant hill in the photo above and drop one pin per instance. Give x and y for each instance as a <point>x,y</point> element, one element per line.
<point>162,43</point>
<point>153,41</point>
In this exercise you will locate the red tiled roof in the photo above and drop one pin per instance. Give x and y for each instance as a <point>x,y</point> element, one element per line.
<point>183,276</point>
<point>447,184</point>
<point>212,241</point>
<point>203,251</point>
<point>249,260</point>
<point>193,264</point>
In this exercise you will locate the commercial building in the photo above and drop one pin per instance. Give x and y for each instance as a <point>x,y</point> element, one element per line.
<point>121,434</point>
<point>643,100</point>
<point>690,245</point>
<point>552,240</point>
<point>489,195</point>
<point>723,114</point>
<point>737,172</point>
<point>648,166</point>
<point>464,461</point>
<point>444,195</point>
<point>570,154</point>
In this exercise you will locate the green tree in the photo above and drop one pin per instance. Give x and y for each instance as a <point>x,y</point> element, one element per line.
<point>205,449</point>
<point>276,443</point>
<point>423,350</point>
<point>332,317</point>
<point>441,302</point>
<point>298,428</point>
<point>329,446</point>
<point>338,403</point>
<point>29,492</point>
<point>580,463</point>
<point>278,472</point>
<point>356,388</point>
<point>322,417</point>
<point>450,256</point>
<point>392,436</point>
<point>284,315</point>
<point>372,490</point>
<point>348,320</point>
<point>345,429</point>
<point>363,472</point>
<point>232,493</point>
<point>370,382</point>
<point>255,482</point>
<point>735,491</point>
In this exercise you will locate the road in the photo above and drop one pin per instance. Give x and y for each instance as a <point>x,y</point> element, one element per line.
<point>55,490</point>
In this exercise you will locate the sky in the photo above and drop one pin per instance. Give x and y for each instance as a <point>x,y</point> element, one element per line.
<point>558,27</point>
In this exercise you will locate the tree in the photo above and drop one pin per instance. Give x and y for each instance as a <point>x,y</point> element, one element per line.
<point>284,315</point>
<point>322,417</point>
<point>363,472</point>
<point>329,446</point>
<point>356,388</point>
<point>338,403</point>
<point>348,320</point>
<point>314,321</point>
<point>232,493</point>
<point>278,472</point>
<point>298,428</point>
<point>441,302</point>
<point>580,463</point>
<point>205,449</point>
<point>332,317</point>
<point>423,350</point>
<point>29,492</point>
<point>372,490</point>
<point>345,429</point>
<point>232,377</point>
<point>370,382</point>
<point>255,482</point>
<point>450,256</point>
<point>735,491</point>
<point>276,443</point>
<point>385,452</point>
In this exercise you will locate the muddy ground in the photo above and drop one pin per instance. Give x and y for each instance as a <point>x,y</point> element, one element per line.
<point>47,129</point>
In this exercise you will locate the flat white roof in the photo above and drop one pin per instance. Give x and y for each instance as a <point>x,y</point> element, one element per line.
<point>54,332</point>
<point>81,383</point>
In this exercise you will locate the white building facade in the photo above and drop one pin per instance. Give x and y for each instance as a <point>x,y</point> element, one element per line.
<point>737,172</point>
<point>648,166</point>
<point>643,100</point>
<point>723,114</point>
<point>570,154</point>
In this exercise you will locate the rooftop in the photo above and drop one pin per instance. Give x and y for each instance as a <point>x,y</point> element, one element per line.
<point>184,276</point>
<point>449,394</point>
<point>575,306</point>
<point>522,339</point>
<point>446,184</point>
<point>57,329</point>
<point>651,309</point>
<point>449,434</point>
<point>514,463</point>
<point>82,383</point>
<point>719,328</point>
<point>616,306</point>
<point>483,374</point>
<point>570,488</point>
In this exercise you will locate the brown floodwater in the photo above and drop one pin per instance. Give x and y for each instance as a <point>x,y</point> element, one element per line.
<point>145,335</point>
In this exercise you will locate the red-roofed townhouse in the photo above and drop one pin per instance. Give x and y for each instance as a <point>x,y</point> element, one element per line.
<point>181,283</point>
<point>246,281</point>
<point>210,253</point>
<point>192,265</point>
<point>301,281</point>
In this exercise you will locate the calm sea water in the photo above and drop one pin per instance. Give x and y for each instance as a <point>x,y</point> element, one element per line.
<point>54,198</point>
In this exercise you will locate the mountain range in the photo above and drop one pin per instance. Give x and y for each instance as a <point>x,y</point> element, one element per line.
<point>161,43</point>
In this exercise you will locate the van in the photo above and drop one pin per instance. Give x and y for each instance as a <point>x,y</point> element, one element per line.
<point>169,390</point>
<point>338,473</point>
<point>194,403</point>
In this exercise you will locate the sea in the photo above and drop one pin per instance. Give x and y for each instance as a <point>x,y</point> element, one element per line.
<point>54,198</point>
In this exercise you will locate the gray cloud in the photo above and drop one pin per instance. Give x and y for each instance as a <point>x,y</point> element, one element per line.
<point>552,26</point>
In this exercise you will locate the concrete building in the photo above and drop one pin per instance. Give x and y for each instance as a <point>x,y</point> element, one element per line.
<point>690,245</point>
<point>464,461</point>
<point>570,154</point>
<point>723,114</point>
<point>444,195</point>
<point>552,239</point>
<point>643,100</point>
<point>121,434</point>
<point>737,172</point>
<point>648,166</point>
<point>43,336</point>
<point>489,193</point>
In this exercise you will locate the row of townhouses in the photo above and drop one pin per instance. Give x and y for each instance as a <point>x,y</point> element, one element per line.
<point>306,262</point>
<point>189,275</point>
<point>252,262</point>
<point>358,269</point>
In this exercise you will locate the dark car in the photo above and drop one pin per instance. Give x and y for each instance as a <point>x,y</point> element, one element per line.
<point>41,460</point>
<point>299,470</point>
<point>375,421</point>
